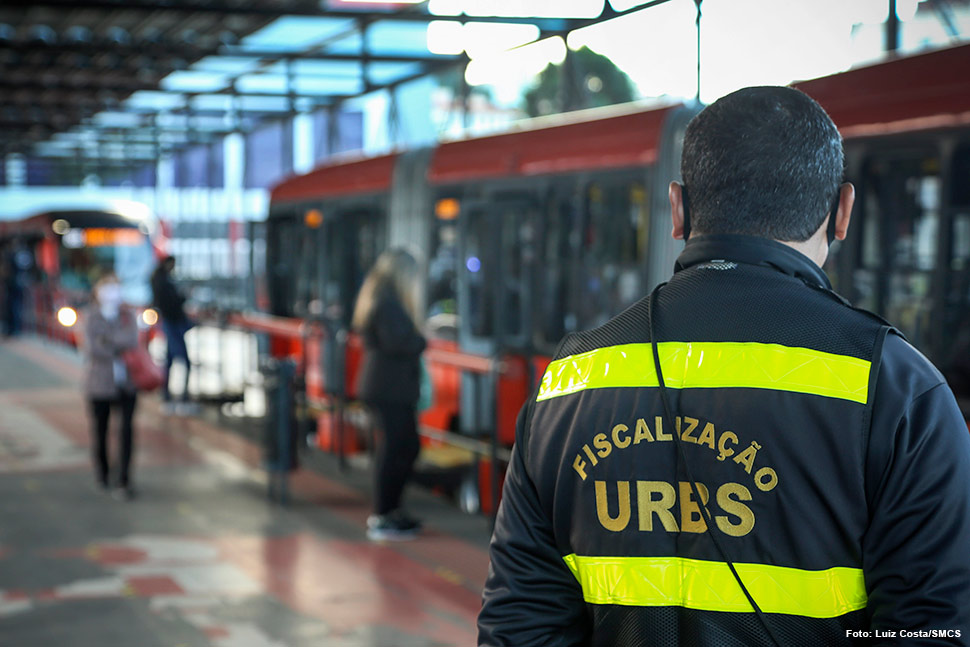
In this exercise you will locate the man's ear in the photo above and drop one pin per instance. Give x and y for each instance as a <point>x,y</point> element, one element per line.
<point>676,195</point>
<point>844,214</point>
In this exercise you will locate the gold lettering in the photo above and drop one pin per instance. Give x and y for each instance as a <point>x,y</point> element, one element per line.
<point>622,518</point>
<point>746,457</point>
<point>580,466</point>
<point>660,430</point>
<point>707,436</point>
<point>603,446</point>
<point>723,451</point>
<point>691,517</point>
<point>643,432</point>
<point>647,505</point>
<point>620,444</point>
<point>691,426</point>
<point>766,479</point>
<point>734,507</point>
<point>589,454</point>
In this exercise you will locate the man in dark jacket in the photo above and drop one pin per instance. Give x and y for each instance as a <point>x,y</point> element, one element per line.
<point>741,458</point>
<point>175,323</point>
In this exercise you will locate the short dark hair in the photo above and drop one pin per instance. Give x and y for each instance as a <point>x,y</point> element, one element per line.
<point>762,161</point>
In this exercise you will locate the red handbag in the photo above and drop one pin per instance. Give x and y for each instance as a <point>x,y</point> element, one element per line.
<point>142,369</point>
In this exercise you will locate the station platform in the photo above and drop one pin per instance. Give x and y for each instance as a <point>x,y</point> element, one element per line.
<point>201,557</point>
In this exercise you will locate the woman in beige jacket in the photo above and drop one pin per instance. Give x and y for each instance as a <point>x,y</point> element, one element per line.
<point>109,329</point>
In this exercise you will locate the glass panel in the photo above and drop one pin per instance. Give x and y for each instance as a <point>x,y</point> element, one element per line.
<point>555,316</point>
<point>85,258</point>
<point>442,269</point>
<point>497,245</point>
<point>517,240</point>
<point>281,265</point>
<point>904,198</point>
<point>354,240</point>
<point>479,275</point>
<point>614,240</point>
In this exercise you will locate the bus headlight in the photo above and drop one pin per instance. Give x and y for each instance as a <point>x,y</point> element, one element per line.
<point>149,316</point>
<point>67,316</point>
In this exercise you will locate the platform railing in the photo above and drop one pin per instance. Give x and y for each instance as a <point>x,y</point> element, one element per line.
<point>212,345</point>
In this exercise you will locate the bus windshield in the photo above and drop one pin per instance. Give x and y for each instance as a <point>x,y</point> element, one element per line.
<point>88,253</point>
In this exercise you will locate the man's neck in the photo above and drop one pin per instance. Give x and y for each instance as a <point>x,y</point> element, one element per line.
<point>816,247</point>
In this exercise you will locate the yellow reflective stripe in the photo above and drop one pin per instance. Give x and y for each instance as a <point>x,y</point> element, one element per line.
<point>705,365</point>
<point>710,586</point>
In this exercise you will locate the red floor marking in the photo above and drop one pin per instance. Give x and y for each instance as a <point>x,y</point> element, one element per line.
<point>350,586</point>
<point>108,555</point>
<point>148,586</point>
<point>215,632</point>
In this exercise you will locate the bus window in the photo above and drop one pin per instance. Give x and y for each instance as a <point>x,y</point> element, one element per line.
<point>554,314</point>
<point>614,240</point>
<point>480,273</point>
<point>85,254</point>
<point>354,240</point>
<point>899,243</point>
<point>282,240</point>
<point>442,269</point>
<point>497,244</point>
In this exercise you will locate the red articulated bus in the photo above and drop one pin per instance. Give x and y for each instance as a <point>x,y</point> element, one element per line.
<point>64,251</point>
<point>563,222</point>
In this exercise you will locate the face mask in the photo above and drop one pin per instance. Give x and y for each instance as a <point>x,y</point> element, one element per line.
<point>109,296</point>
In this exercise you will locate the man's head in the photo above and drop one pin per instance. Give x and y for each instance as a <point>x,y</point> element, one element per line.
<point>762,161</point>
<point>168,264</point>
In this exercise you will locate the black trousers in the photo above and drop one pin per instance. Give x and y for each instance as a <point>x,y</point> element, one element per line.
<point>100,412</point>
<point>397,449</point>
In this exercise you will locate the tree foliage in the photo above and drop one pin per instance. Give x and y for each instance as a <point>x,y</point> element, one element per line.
<point>584,79</point>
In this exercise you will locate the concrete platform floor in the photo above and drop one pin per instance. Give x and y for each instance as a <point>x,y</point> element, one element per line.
<point>200,558</point>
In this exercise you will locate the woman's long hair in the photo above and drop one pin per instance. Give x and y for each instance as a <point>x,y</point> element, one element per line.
<point>396,270</point>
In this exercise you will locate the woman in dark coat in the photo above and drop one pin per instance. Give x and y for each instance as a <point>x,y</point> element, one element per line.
<point>389,382</point>
<point>109,329</point>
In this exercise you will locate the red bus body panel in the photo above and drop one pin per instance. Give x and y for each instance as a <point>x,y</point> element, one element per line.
<point>912,93</point>
<point>614,142</point>
<point>363,176</point>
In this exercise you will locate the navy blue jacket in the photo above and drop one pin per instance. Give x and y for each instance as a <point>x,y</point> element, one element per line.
<point>830,454</point>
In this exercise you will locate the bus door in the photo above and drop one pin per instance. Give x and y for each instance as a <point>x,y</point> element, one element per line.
<point>497,250</point>
<point>352,240</point>
<point>899,223</point>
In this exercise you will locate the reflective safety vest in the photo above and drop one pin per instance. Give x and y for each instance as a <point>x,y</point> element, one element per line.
<point>771,376</point>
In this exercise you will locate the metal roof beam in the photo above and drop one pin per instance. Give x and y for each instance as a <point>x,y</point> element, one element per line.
<point>183,51</point>
<point>415,13</point>
<point>98,92</point>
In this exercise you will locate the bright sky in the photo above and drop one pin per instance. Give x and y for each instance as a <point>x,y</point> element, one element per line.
<point>743,42</point>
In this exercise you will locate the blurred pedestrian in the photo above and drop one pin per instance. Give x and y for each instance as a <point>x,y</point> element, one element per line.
<point>389,382</point>
<point>175,323</point>
<point>110,329</point>
<point>17,265</point>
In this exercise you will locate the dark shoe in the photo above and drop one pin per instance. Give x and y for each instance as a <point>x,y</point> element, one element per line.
<point>405,520</point>
<point>388,527</point>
